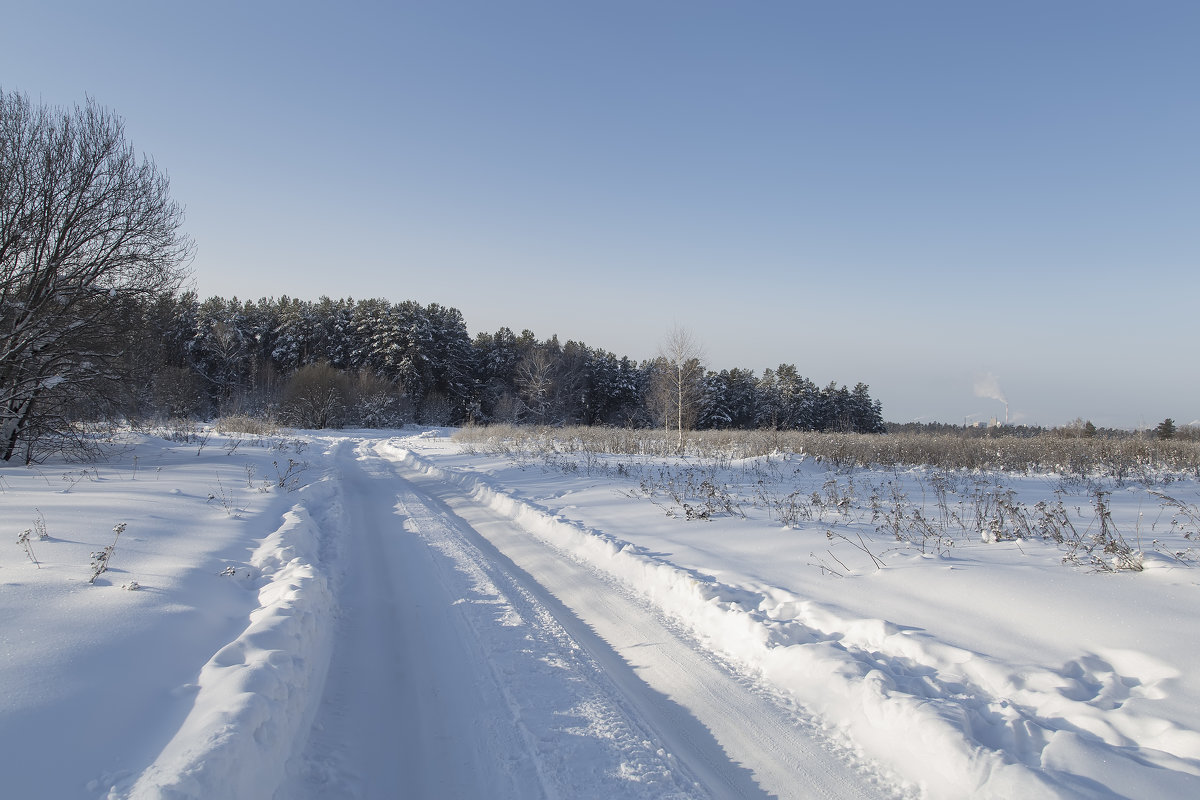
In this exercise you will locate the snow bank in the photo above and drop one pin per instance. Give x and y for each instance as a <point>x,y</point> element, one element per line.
<point>950,722</point>
<point>259,692</point>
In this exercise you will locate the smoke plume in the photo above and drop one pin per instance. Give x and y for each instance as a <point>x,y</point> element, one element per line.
<point>988,385</point>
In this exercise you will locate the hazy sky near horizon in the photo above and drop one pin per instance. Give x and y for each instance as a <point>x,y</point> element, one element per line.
<point>944,200</point>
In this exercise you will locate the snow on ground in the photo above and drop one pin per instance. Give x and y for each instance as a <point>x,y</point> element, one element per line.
<point>203,632</point>
<point>985,669</point>
<point>387,615</point>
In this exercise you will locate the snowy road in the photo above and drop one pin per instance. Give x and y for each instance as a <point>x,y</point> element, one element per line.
<point>472,660</point>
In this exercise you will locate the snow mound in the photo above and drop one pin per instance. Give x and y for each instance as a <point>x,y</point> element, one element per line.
<point>257,694</point>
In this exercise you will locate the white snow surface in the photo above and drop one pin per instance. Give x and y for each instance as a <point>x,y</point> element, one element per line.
<point>368,614</point>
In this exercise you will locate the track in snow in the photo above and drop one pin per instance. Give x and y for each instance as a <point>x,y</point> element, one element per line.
<point>474,661</point>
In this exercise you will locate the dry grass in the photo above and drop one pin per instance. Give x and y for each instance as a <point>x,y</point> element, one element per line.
<point>250,425</point>
<point>1125,459</point>
<point>929,492</point>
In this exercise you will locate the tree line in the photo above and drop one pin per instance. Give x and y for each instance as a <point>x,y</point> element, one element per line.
<point>373,362</point>
<point>93,327</point>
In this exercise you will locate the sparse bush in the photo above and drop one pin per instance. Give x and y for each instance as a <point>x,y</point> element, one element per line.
<point>1185,518</point>
<point>289,477</point>
<point>315,397</point>
<point>1102,546</point>
<point>39,526</point>
<point>24,542</point>
<point>186,431</point>
<point>72,478</point>
<point>1184,521</point>
<point>101,557</point>
<point>226,498</point>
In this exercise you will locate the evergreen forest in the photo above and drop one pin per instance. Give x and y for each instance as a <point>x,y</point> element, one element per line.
<point>375,363</point>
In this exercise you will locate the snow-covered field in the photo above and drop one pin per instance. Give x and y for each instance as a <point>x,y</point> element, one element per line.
<point>368,614</point>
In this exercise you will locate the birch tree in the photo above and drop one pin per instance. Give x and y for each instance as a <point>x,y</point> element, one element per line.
<point>677,386</point>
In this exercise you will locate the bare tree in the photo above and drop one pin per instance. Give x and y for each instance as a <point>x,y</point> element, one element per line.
<point>534,377</point>
<point>88,232</point>
<point>677,385</point>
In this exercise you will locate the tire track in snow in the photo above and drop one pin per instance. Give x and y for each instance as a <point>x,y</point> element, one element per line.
<point>584,741</point>
<point>391,721</point>
<point>451,680</point>
<point>708,716</point>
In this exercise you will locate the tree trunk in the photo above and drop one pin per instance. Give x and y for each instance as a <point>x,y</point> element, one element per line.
<point>20,415</point>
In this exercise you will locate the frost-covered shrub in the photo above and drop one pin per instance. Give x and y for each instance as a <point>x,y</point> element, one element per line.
<point>101,557</point>
<point>1101,546</point>
<point>27,545</point>
<point>376,402</point>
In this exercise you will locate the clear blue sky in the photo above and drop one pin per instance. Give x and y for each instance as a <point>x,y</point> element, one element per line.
<point>916,195</point>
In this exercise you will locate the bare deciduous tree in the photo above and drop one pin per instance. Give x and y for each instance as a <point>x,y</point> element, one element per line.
<point>87,232</point>
<point>535,380</point>
<point>677,385</point>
